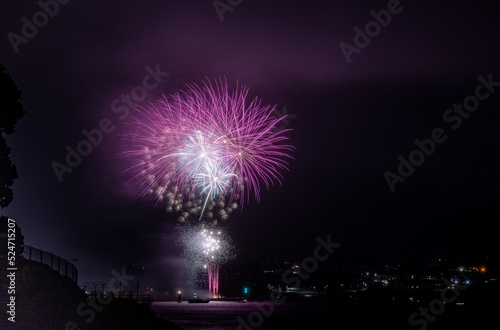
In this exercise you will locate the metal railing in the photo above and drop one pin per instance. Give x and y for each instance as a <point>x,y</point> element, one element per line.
<point>61,265</point>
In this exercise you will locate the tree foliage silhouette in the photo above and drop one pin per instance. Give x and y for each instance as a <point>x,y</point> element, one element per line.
<point>11,111</point>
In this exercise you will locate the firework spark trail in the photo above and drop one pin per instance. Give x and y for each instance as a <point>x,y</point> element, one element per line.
<point>205,140</point>
<point>214,179</point>
<point>213,280</point>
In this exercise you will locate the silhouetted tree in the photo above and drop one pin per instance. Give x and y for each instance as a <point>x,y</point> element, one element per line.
<point>11,111</point>
<point>8,174</point>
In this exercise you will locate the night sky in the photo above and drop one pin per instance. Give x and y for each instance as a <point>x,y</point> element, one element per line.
<point>350,123</point>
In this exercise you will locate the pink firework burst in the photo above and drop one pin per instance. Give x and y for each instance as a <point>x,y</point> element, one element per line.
<point>208,141</point>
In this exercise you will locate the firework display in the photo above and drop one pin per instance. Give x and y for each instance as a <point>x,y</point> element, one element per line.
<point>202,153</point>
<point>206,250</point>
<point>206,143</point>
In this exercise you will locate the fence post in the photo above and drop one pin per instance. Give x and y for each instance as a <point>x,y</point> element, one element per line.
<point>30,252</point>
<point>51,260</point>
<point>65,267</point>
<point>41,256</point>
<point>59,264</point>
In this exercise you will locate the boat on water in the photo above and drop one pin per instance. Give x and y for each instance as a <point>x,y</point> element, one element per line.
<point>197,300</point>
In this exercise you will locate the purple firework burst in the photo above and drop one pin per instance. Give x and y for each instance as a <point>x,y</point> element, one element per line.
<point>209,142</point>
